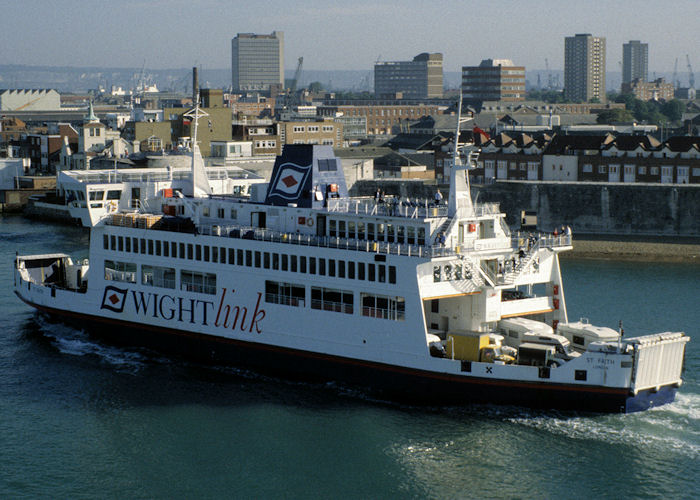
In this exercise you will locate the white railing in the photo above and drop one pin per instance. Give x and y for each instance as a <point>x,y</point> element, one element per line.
<point>390,207</point>
<point>261,234</point>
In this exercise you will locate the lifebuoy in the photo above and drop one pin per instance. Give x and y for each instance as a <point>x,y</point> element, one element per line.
<point>309,222</point>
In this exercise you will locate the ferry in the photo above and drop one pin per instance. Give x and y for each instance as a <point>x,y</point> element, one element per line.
<point>427,301</point>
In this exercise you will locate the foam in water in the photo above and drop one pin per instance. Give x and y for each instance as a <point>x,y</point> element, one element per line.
<point>75,342</point>
<point>655,429</point>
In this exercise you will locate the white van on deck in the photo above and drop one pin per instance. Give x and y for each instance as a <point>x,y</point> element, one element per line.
<point>513,329</point>
<point>581,333</point>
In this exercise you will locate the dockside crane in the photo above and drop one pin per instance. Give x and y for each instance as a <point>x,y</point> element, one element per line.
<point>674,78</point>
<point>691,76</point>
<point>297,76</point>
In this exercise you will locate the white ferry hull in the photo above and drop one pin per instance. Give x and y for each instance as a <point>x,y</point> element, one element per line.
<point>398,383</point>
<point>405,299</point>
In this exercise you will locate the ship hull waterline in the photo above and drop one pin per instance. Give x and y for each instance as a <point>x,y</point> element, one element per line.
<point>391,382</point>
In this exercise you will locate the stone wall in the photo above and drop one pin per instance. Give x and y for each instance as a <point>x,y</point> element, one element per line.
<point>601,208</point>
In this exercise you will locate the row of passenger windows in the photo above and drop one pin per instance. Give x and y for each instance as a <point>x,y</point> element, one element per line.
<point>161,277</point>
<point>334,300</point>
<point>253,258</point>
<point>392,233</point>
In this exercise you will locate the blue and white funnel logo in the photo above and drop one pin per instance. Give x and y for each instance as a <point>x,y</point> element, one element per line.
<point>289,181</point>
<point>114,298</point>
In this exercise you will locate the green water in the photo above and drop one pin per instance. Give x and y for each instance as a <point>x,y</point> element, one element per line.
<point>82,419</point>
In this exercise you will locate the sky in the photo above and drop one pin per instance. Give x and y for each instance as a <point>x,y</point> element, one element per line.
<point>335,35</point>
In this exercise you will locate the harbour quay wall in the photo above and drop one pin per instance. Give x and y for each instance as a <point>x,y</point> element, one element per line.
<point>600,208</point>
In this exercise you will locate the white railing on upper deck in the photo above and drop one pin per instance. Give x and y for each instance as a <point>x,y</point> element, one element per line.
<point>261,234</point>
<point>487,209</point>
<point>156,175</point>
<point>390,207</point>
<point>541,240</point>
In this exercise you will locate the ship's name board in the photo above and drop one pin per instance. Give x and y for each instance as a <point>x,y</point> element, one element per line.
<point>224,313</point>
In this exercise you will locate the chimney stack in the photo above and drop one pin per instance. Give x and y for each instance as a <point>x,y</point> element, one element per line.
<point>195,84</point>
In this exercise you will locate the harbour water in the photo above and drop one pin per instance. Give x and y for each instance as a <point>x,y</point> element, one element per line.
<point>83,419</point>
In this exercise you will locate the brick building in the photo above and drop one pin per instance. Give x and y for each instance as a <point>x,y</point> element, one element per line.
<point>590,158</point>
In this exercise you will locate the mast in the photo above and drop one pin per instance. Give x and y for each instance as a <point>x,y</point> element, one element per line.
<point>460,200</point>
<point>200,182</point>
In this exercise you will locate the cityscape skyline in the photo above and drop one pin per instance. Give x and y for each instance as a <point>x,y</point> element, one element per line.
<point>336,36</point>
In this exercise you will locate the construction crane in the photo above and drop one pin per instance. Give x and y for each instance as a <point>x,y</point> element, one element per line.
<point>691,76</point>
<point>549,74</point>
<point>297,76</point>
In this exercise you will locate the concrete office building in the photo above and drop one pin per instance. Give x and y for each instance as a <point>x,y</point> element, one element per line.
<point>493,80</point>
<point>257,62</point>
<point>635,61</point>
<point>420,78</point>
<point>584,68</point>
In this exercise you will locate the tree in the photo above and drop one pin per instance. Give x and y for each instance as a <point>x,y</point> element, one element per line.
<point>315,87</point>
<point>673,109</point>
<point>615,116</point>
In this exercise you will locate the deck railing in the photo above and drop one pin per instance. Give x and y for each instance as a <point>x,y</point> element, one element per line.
<point>389,206</point>
<point>261,234</point>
